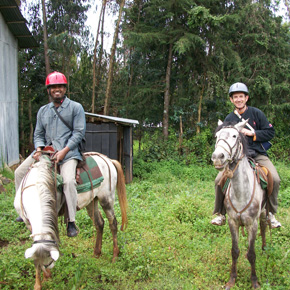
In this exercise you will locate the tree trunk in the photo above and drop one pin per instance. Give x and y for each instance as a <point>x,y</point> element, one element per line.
<point>130,77</point>
<point>31,145</point>
<point>22,150</point>
<point>112,58</point>
<point>199,110</point>
<point>167,94</point>
<point>99,67</point>
<point>180,134</point>
<point>46,58</point>
<point>95,54</point>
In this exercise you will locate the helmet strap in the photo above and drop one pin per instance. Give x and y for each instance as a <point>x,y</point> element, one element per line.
<point>241,111</point>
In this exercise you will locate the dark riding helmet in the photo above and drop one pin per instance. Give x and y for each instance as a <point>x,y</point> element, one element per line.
<point>238,87</point>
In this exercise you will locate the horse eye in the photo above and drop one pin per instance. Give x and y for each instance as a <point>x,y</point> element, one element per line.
<point>235,136</point>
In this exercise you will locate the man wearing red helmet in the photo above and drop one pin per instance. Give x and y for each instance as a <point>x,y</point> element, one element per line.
<point>51,130</point>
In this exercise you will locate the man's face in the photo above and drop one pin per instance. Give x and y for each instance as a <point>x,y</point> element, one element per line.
<point>57,92</point>
<point>239,100</point>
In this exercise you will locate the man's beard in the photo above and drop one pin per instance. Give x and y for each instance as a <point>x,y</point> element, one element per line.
<point>58,100</point>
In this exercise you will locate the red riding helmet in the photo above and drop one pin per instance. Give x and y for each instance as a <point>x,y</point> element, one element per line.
<point>55,78</point>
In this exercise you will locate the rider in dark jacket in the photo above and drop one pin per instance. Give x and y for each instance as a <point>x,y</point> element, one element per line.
<point>264,131</point>
<point>259,132</point>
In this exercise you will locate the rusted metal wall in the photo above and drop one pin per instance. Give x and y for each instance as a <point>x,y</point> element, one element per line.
<point>9,140</point>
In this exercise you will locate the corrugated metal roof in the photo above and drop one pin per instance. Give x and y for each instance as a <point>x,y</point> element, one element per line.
<point>17,23</point>
<point>114,119</point>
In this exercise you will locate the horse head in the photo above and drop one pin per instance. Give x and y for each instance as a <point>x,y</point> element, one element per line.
<point>43,215</point>
<point>44,254</point>
<point>229,144</point>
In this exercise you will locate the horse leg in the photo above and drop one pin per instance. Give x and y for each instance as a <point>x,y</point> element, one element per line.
<point>234,228</point>
<point>251,255</point>
<point>37,285</point>
<point>98,220</point>
<point>46,274</point>
<point>114,230</point>
<point>263,227</point>
<point>109,211</point>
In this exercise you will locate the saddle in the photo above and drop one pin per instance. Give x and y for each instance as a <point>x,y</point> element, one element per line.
<point>88,174</point>
<point>263,174</point>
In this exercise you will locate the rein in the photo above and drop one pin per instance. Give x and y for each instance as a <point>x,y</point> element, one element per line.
<point>22,190</point>
<point>249,203</point>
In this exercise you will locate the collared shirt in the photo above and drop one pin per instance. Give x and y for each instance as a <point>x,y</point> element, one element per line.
<point>50,130</point>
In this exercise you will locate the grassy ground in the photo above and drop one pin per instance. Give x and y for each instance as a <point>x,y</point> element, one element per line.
<point>169,243</point>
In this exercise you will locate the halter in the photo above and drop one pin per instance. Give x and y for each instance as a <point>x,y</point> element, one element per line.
<point>44,242</point>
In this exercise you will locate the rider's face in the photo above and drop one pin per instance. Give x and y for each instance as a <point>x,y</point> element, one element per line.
<point>239,100</point>
<point>57,93</point>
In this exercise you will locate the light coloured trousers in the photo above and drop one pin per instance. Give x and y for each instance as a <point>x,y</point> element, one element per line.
<point>68,173</point>
<point>273,198</point>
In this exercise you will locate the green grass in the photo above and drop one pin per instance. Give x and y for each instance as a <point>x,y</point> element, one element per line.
<point>169,242</point>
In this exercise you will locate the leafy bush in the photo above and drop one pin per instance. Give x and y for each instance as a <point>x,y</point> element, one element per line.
<point>196,150</point>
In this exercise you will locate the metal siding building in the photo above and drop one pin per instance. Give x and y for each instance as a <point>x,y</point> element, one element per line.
<point>9,140</point>
<point>14,34</point>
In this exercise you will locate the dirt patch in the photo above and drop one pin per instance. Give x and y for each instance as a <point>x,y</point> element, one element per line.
<point>3,243</point>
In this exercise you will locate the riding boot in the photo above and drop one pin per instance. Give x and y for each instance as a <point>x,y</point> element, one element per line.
<point>72,229</point>
<point>19,219</point>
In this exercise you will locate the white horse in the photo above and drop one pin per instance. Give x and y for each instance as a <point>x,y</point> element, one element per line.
<point>244,195</point>
<point>38,204</point>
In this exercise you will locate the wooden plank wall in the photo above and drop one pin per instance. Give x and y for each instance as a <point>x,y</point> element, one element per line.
<point>113,140</point>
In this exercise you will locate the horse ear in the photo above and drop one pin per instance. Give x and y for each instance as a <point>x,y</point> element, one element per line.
<point>220,122</point>
<point>239,126</point>
<point>54,255</point>
<point>29,253</point>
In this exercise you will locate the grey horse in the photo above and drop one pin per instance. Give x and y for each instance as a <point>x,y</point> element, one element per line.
<point>243,196</point>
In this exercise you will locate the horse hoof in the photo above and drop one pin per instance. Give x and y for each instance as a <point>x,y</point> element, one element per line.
<point>230,284</point>
<point>256,285</point>
<point>97,255</point>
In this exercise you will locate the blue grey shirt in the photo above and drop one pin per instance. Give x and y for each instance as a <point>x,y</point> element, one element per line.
<point>50,130</point>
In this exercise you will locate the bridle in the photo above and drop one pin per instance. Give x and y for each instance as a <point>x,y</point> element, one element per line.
<point>44,241</point>
<point>238,144</point>
<point>237,156</point>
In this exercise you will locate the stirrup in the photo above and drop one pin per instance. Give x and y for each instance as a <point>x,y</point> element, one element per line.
<point>220,220</point>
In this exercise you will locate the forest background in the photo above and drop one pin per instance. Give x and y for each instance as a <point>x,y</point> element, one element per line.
<point>170,66</point>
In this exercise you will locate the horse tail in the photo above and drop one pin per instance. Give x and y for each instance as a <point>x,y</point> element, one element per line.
<point>122,196</point>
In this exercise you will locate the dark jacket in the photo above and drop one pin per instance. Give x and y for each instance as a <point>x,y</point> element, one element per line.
<point>263,129</point>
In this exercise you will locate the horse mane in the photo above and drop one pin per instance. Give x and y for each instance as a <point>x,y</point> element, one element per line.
<point>243,138</point>
<point>47,195</point>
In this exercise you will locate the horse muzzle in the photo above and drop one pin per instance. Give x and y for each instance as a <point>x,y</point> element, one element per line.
<point>219,160</point>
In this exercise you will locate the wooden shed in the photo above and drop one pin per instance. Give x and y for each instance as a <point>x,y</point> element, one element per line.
<point>14,34</point>
<point>113,137</point>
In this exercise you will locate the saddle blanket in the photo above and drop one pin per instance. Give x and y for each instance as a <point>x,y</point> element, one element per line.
<point>88,176</point>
